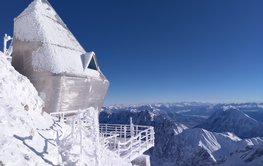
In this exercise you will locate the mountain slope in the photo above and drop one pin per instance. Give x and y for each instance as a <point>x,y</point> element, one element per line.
<point>235,121</point>
<point>250,156</point>
<point>176,143</point>
<point>199,147</point>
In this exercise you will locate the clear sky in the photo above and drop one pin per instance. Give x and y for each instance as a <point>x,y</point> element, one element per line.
<point>167,50</point>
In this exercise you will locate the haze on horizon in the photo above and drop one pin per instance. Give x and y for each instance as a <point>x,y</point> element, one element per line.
<point>168,51</point>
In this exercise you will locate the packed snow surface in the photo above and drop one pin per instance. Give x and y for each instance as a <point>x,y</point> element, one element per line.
<point>30,136</point>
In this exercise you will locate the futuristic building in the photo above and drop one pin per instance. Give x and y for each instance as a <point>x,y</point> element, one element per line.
<point>66,76</point>
<point>69,79</point>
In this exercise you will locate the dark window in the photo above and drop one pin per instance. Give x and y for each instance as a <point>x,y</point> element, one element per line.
<point>92,64</point>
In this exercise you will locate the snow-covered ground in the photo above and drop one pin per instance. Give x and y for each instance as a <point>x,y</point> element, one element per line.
<point>30,136</point>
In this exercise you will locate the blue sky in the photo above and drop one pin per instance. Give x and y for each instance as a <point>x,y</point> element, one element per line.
<point>167,50</point>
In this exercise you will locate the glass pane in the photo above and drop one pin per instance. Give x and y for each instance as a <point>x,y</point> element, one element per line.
<point>92,64</point>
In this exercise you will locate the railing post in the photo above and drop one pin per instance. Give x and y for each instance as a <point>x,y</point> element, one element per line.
<point>115,142</point>
<point>106,128</point>
<point>125,133</point>
<point>121,132</point>
<point>140,138</point>
<point>118,146</point>
<point>152,135</point>
<point>131,151</point>
<point>147,137</point>
<point>131,127</point>
<point>116,127</point>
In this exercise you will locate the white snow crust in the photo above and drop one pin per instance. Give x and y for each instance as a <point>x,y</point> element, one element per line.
<point>40,22</point>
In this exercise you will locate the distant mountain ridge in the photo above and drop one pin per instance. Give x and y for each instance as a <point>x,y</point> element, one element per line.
<point>199,147</point>
<point>254,110</point>
<point>179,141</point>
<point>234,121</point>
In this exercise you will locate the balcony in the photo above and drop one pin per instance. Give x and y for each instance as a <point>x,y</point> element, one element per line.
<point>127,141</point>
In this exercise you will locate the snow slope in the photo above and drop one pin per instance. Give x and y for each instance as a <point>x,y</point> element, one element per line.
<point>20,117</point>
<point>251,156</point>
<point>235,121</point>
<point>31,137</point>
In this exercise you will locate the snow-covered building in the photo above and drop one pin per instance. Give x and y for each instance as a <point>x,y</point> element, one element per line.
<point>70,82</point>
<point>66,76</point>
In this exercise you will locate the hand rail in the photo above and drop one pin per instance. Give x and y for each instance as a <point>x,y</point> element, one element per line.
<point>127,141</point>
<point>130,140</point>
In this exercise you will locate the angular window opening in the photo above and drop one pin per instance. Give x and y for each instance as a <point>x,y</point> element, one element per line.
<point>92,64</point>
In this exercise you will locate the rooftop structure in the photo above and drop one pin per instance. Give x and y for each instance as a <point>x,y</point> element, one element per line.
<point>66,76</point>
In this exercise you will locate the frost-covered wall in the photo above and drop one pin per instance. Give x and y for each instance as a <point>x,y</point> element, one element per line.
<point>59,50</point>
<point>48,54</point>
<point>55,49</point>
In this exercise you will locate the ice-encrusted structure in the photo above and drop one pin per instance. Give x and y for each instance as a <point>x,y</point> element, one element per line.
<point>73,88</point>
<point>65,75</point>
<point>29,136</point>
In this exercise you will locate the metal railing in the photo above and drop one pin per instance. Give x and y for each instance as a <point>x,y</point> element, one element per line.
<point>63,116</point>
<point>128,141</point>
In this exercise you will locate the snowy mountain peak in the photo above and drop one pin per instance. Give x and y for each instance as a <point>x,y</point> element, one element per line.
<point>235,121</point>
<point>209,140</point>
<point>179,142</point>
<point>234,114</point>
<point>201,147</point>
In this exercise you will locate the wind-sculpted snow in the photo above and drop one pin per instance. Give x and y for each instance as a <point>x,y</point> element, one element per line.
<point>17,89</point>
<point>235,121</point>
<point>26,131</point>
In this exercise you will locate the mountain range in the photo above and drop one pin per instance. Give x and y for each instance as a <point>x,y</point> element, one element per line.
<point>222,135</point>
<point>235,121</point>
